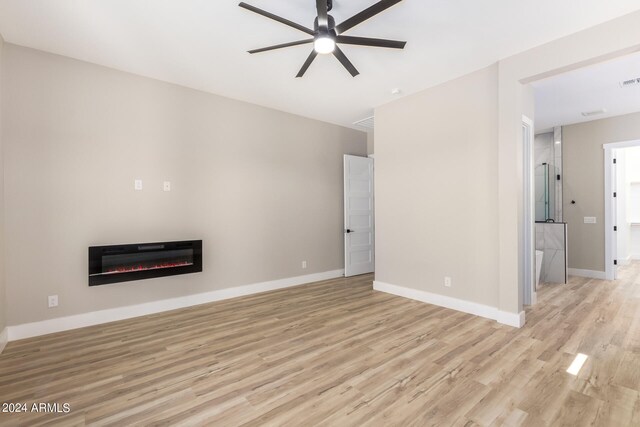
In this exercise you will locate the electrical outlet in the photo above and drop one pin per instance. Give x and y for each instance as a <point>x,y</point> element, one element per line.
<point>447,281</point>
<point>166,186</point>
<point>304,264</point>
<point>590,220</point>
<point>53,301</point>
<point>137,185</point>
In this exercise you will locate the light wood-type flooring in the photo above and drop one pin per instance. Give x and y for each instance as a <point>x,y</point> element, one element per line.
<point>337,353</point>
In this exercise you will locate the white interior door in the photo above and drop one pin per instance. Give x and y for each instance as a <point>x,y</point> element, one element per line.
<point>358,216</point>
<point>614,212</point>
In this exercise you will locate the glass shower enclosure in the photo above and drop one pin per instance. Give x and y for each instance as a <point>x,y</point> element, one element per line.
<point>545,184</point>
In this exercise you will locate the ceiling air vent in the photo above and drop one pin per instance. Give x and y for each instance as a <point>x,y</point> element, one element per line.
<point>365,123</point>
<point>631,82</point>
<point>594,113</point>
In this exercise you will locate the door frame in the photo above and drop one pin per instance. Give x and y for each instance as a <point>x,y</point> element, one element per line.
<point>610,249</point>
<point>529,294</point>
<point>346,224</point>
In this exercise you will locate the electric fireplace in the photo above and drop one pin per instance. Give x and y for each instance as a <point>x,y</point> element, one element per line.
<point>123,263</point>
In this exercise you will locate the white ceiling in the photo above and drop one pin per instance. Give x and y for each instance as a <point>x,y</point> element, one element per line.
<point>561,100</point>
<point>202,44</point>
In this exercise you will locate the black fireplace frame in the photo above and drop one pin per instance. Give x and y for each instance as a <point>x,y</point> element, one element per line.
<point>98,277</point>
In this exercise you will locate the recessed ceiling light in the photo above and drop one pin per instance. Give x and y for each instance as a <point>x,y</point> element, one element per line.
<point>594,113</point>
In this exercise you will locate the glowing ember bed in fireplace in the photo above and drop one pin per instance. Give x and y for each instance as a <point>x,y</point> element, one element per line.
<point>123,263</point>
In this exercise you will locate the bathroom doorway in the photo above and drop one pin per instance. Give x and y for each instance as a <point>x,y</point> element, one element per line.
<point>577,112</point>
<point>622,205</point>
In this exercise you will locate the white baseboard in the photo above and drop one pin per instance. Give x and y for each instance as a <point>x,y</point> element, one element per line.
<point>60,324</point>
<point>591,274</point>
<point>4,338</point>
<point>511,319</point>
<point>634,257</point>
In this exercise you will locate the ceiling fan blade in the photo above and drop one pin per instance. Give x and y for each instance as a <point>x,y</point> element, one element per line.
<point>307,63</point>
<point>280,46</point>
<point>365,14</point>
<point>338,53</point>
<point>276,18</point>
<point>366,41</point>
<point>323,19</point>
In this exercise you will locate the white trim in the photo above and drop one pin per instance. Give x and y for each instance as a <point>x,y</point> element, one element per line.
<point>623,144</point>
<point>634,257</point>
<point>60,324</point>
<point>625,261</point>
<point>511,319</point>
<point>609,245</point>
<point>591,274</point>
<point>529,294</point>
<point>4,339</point>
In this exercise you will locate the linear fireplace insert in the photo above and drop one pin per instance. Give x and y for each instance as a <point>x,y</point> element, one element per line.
<point>123,263</point>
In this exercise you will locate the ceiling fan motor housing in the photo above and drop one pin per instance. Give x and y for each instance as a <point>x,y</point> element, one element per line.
<point>332,23</point>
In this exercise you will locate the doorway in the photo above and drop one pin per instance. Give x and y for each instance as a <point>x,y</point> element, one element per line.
<point>622,205</point>
<point>359,238</point>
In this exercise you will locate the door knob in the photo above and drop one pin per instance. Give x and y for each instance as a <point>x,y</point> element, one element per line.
<point>349,231</point>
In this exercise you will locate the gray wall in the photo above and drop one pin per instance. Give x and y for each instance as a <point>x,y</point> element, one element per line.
<point>262,188</point>
<point>3,304</point>
<point>370,142</point>
<point>583,159</point>
<point>437,189</point>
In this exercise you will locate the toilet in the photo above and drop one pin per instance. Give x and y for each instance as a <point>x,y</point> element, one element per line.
<point>539,256</point>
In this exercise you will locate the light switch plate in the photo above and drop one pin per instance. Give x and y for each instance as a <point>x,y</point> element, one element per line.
<point>137,184</point>
<point>166,186</point>
<point>590,220</point>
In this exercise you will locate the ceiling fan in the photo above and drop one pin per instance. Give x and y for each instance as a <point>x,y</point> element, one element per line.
<point>327,35</point>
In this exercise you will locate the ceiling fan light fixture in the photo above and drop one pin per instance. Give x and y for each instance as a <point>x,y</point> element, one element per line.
<point>326,35</point>
<point>324,45</point>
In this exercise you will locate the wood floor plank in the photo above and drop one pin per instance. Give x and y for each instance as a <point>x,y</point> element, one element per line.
<point>337,353</point>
